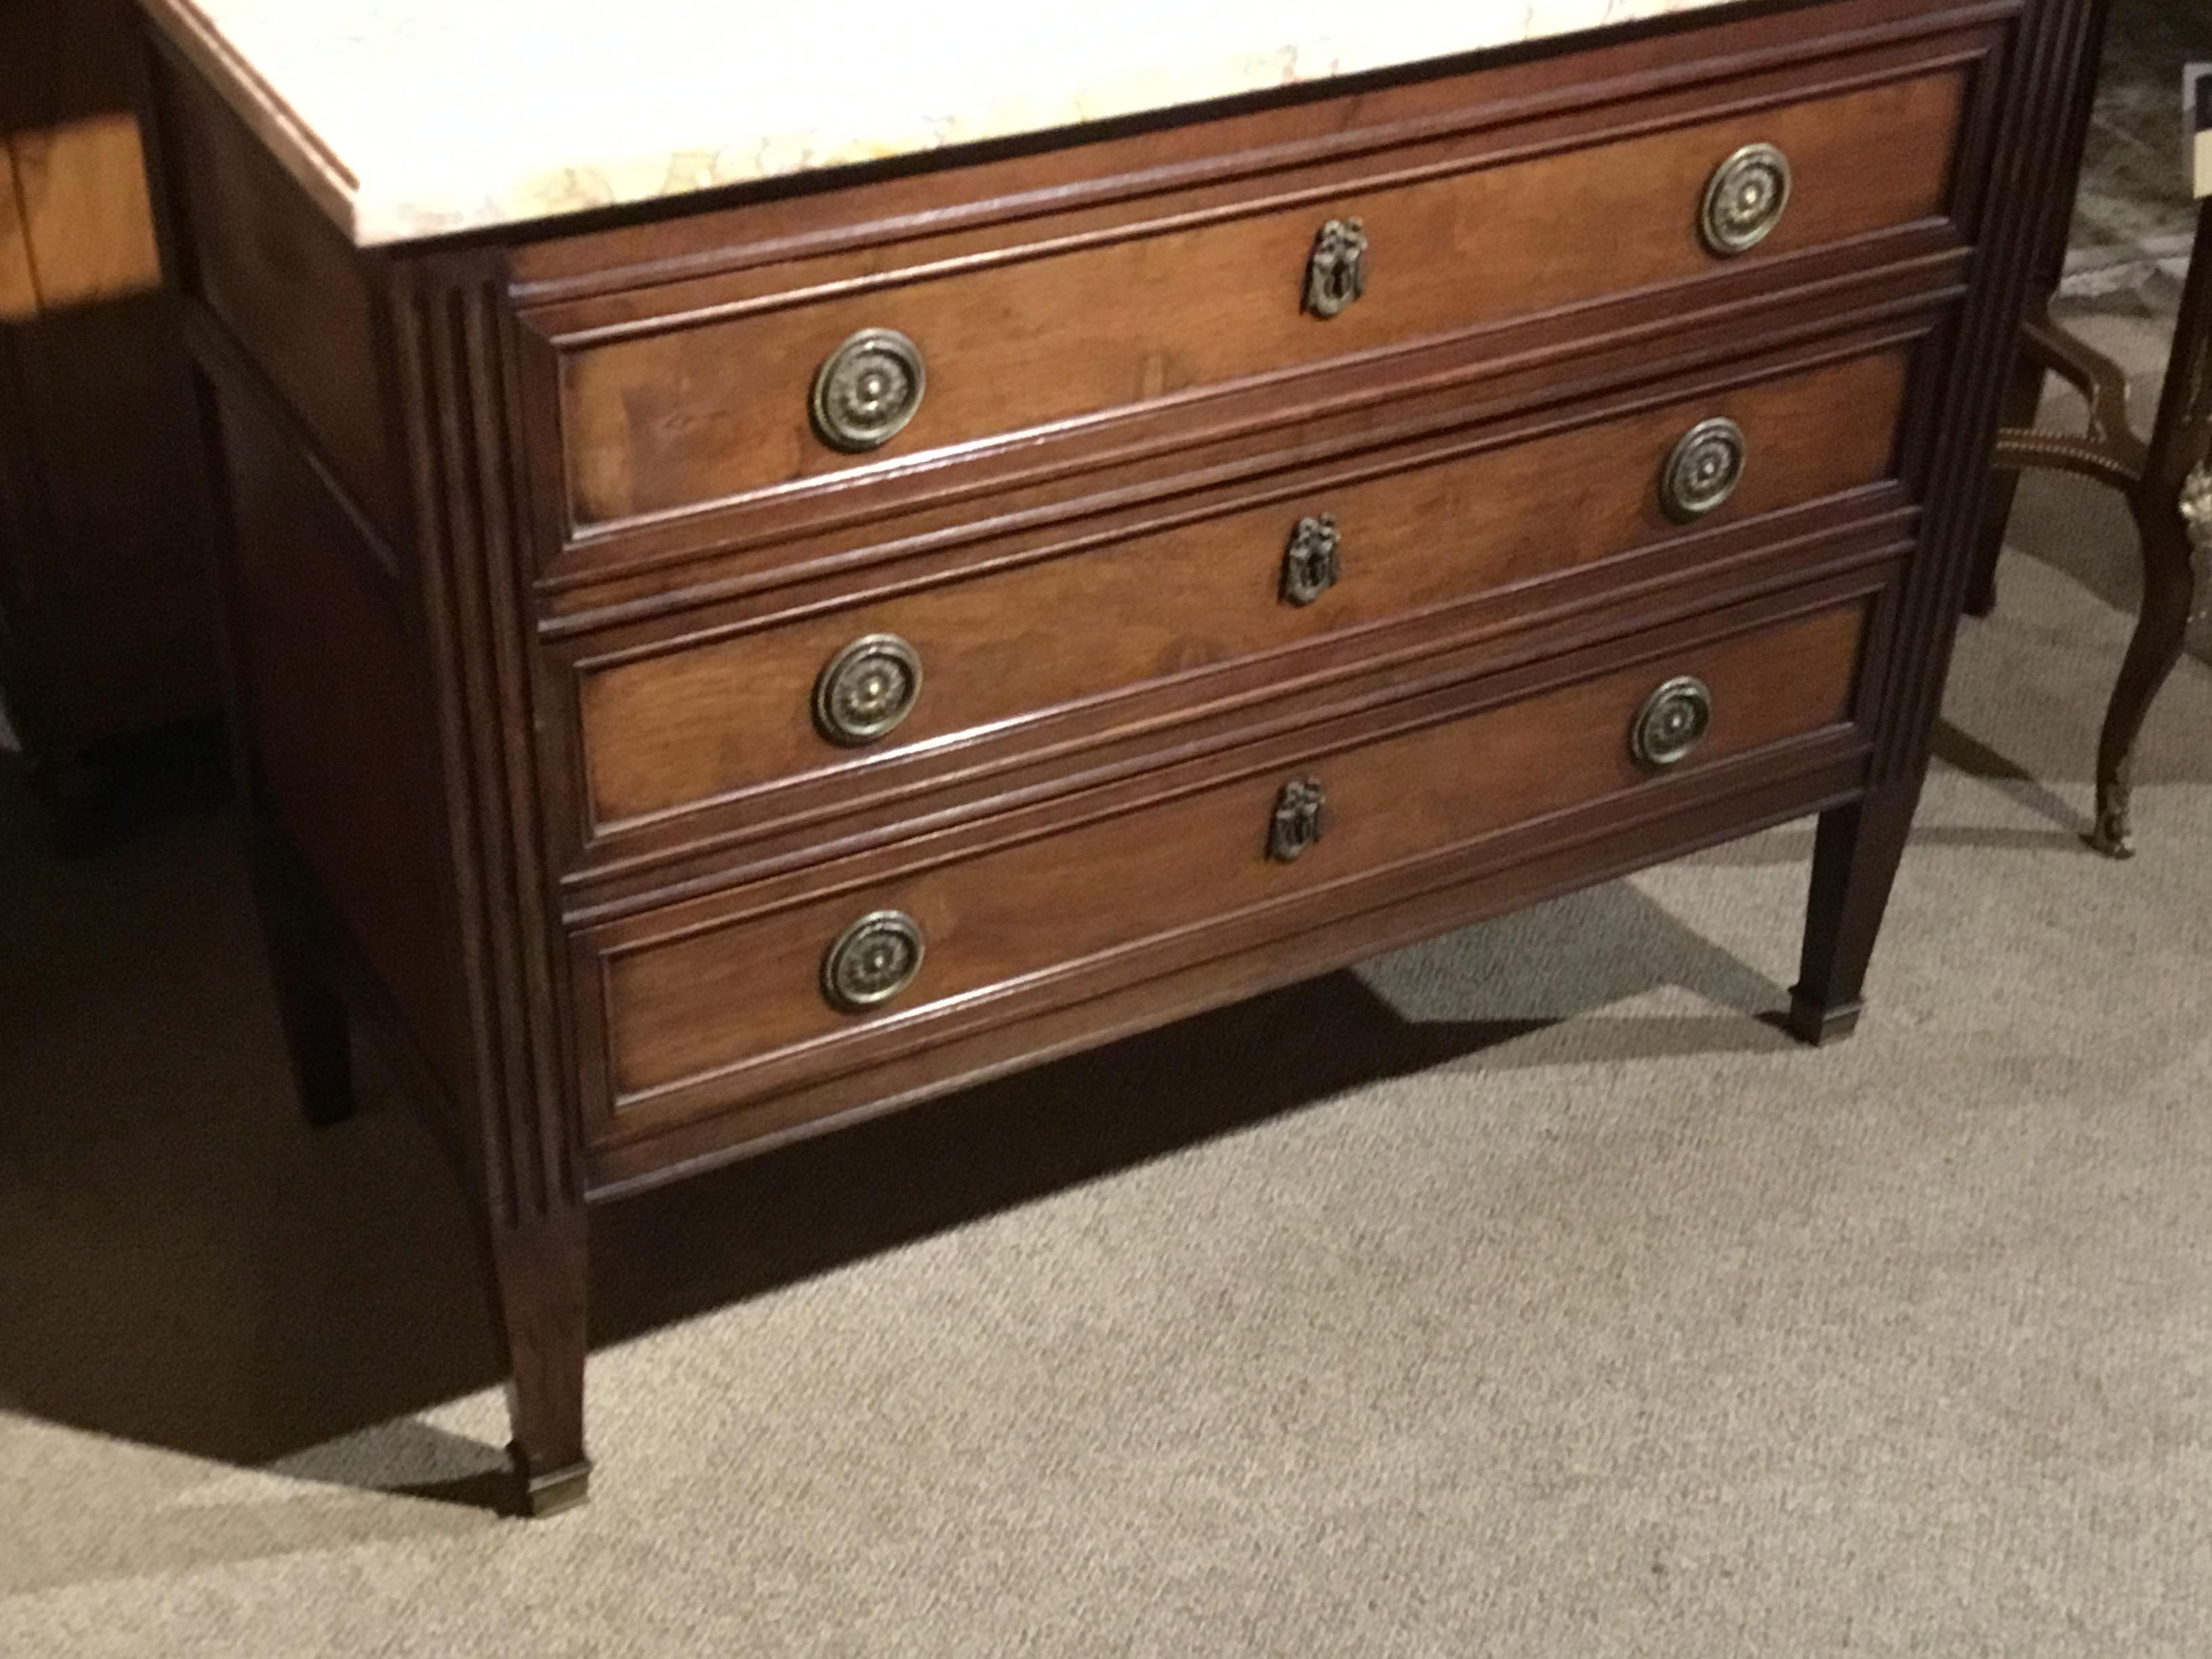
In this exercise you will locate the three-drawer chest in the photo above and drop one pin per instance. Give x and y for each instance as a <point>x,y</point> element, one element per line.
<point>730,638</point>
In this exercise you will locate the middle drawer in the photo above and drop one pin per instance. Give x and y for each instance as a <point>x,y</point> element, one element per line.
<point>850,692</point>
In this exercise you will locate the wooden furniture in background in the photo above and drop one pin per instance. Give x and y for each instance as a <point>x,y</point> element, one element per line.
<point>105,610</point>
<point>721,670</point>
<point>2166,480</point>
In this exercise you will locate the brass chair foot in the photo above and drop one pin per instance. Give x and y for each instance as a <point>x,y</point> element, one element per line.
<point>553,1492</point>
<point>2114,836</point>
<point>1815,1025</point>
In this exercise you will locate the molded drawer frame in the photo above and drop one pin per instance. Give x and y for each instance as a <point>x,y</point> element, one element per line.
<point>736,1090</point>
<point>823,242</point>
<point>605,862</point>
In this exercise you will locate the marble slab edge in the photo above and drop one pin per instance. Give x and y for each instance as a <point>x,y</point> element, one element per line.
<point>374,206</point>
<point>286,137</point>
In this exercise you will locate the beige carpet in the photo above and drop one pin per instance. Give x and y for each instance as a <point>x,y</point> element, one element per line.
<point>1522,1295</point>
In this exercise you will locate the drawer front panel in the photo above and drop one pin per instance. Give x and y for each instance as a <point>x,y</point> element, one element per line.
<point>718,409</point>
<point>690,997</point>
<point>713,720</point>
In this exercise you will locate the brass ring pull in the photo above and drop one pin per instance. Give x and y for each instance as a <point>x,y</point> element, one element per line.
<point>872,960</point>
<point>867,390</point>
<point>1298,821</point>
<point>866,688</point>
<point>1745,200</point>
<point>1672,723</point>
<point>1703,470</point>
<point>1336,273</point>
<point>1311,563</point>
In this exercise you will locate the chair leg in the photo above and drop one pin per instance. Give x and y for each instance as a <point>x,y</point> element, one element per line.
<point>2169,593</point>
<point>2173,484</point>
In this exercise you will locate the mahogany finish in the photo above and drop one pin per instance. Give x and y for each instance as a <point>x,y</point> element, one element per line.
<point>527,624</point>
<point>289,291</point>
<point>106,628</point>
<point>342,728</point>
<point>1077,319</point>
<point>729,711</point>
<point>719,999</point>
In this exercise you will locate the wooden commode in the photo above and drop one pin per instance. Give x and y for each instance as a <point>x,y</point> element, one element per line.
<point>724,649</point>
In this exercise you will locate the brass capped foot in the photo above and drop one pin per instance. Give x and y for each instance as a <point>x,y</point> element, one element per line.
<point>2114,836</point>
<point>1815,1025</point>
<point>550,1493</point>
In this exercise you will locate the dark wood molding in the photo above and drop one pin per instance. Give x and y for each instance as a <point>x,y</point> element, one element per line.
<point>450,330</point>
<point>1540,368</point>
<point>1559,865</point>
<point>453,354</point>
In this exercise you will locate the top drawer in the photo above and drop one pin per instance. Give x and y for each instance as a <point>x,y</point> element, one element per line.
<point>932,351</point>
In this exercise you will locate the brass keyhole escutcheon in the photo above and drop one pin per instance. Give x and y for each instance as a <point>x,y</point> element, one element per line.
<point>1745,200</point>
<point>1311,563</point>
<point>1703,470</point>
<point>1299,820</point>
<point>1672,723</point>
<point>867,390</point>
<point>872,960</point>
<point>866,688</point>
<point>1336,272</point>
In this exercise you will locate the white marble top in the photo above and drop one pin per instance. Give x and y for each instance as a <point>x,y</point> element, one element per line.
<point>409,118</point>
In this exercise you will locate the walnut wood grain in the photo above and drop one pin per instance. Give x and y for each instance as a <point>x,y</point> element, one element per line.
<point>690,997</point>
<point>660,731</point>
<point>288,289</point>
<point>341,752</point>
<point>1526,376</point>
<point>719,408</point>
<point>1521,870</point>
<point>2021,151</point>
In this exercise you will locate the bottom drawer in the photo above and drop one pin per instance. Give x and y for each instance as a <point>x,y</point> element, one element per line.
<point>703,1006</point>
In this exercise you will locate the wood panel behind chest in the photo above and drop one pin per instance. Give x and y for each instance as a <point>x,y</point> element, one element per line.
<point>105,625</point>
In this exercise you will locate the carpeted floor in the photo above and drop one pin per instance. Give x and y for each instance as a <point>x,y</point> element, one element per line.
<point>1524,1294</point>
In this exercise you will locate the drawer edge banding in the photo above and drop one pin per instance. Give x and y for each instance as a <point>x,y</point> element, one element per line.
<point>1744,656</point>
<point>1568,829</point>
<point>1898,287</point>
<point>1854,554</point>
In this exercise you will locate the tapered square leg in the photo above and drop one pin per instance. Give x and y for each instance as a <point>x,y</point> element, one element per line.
<point>1855,860</point>
<point>1816,1025</point>
<point>2023,398</point>
<point>317,1036</point>
<point>539,1287</point>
